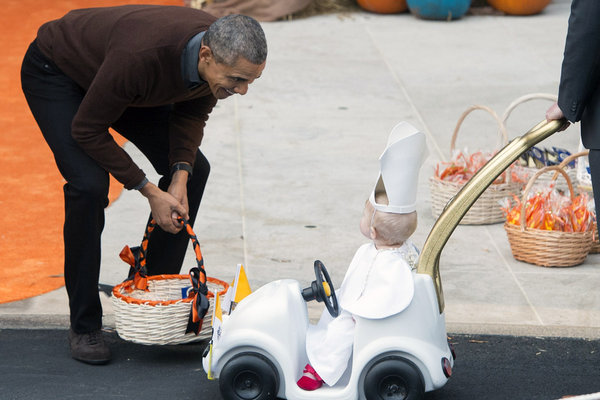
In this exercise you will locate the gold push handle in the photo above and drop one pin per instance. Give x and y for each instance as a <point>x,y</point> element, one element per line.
<point>458,206</point>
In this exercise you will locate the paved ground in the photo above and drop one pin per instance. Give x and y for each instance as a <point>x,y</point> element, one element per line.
<point>487,367</point>
<point>295,159</point>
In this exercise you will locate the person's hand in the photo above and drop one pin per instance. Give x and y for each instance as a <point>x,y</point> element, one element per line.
<point>554,113</point>
<point>164,206</point>
<point>178,189</point>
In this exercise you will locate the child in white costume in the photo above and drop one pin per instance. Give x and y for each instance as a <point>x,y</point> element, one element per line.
<point>379,281</point>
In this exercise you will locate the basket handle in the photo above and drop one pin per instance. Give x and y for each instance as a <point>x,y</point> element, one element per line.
<point>558,170</point>
<point>469,110</point>
<point>136,257</point>
<point>501,127</point>
<point>524,99</point>
<point>200,304</point>
<point>568,160</point>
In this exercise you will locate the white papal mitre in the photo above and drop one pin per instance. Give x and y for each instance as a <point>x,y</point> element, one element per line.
<point>399,168</point>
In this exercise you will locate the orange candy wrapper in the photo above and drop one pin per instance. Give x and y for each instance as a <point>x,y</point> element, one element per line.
<point>548,209</point>
<point>462,167</point>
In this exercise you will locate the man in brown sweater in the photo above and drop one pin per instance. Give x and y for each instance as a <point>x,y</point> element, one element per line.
<point>153,74</point>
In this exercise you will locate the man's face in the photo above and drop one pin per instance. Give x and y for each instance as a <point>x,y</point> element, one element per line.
<point>225,80</point>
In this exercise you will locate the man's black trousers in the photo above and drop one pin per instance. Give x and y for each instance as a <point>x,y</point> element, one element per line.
<point>54,100</point>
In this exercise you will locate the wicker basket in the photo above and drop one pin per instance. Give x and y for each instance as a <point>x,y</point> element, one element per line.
<point>583,187</point>
<point>160,315</point>
<point>543,247</point>
<point>528,172</point>
<point>158,311</point>
<point>569,170</point>
<point>486,210</point>
<point>595,249</point>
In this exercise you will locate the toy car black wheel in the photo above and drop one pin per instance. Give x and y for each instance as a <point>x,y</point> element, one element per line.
<point>248,376</point>
<point>394,378</point>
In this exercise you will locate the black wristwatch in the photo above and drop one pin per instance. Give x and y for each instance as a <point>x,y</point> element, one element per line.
<point>180,166</point>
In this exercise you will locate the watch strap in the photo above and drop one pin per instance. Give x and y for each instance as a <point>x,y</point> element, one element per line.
<point>180,166</point>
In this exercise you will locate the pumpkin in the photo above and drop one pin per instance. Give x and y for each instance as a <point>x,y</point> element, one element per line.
<point>519,7</point>
<point>438,9</point>
<point>383,6</point>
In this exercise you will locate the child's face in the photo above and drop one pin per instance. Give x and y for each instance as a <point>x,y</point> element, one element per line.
<point>365,221</point>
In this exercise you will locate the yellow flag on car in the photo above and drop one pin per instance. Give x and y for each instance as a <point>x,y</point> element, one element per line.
<point>242,286</point>
<point>239,288</point>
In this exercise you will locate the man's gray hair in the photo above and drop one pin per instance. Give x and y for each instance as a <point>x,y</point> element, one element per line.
<point>236,36</point>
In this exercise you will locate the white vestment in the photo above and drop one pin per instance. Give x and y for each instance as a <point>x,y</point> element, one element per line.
<point>377,284</point>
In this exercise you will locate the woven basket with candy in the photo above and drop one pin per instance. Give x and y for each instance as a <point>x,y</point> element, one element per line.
<point>463,166</point>
<point>584,185</point>
<point>537,158</point>
<point>549,228</point>
<point>450,177</point>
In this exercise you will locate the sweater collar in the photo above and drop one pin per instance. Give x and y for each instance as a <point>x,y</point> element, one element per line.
<point>189,62</point>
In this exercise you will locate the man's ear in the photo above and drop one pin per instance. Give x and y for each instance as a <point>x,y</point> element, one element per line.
<point>205,54</point>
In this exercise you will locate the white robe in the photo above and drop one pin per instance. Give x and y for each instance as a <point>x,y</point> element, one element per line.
<point>377,284</point>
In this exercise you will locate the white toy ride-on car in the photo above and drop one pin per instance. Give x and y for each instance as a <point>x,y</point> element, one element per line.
<point>261,352</point>
<point>262,349</point>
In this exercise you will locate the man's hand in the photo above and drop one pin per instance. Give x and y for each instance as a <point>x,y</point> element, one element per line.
<point>178,189</point>
<point>553,113</point>
<point>165,208</point>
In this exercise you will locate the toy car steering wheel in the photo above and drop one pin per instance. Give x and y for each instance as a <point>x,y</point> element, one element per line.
<point>322,290</point>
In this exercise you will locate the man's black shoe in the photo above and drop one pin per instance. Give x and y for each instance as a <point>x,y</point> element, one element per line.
<point>89,347</point>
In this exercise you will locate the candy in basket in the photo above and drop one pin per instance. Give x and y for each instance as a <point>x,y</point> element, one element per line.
<point>450,177</point>
<point>537,158</point>
<point>546,227</point>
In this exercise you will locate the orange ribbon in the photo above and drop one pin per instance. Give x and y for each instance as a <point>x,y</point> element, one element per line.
<point>140,276</point>
<point>199,290</point>
<point>200,304</point>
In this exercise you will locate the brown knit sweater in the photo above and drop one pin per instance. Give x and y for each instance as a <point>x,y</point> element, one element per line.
<point>129,56</point>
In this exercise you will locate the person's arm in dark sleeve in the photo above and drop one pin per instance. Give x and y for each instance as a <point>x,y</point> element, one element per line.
<point>186,128</point>
<point>116,85</point>
<point>581,60</point>
<point>110,93</point>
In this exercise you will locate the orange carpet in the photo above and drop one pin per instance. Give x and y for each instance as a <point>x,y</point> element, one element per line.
<point>31,199</point>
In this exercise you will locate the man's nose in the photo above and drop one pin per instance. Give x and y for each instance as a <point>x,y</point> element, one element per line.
<point>242,89</point>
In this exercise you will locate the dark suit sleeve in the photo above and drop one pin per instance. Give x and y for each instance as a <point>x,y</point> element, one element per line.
<point>580,72</point>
